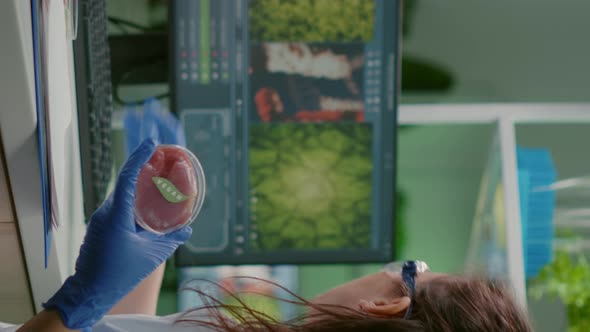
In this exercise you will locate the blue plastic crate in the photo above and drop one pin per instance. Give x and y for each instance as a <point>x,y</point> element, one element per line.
<point>536,169</point>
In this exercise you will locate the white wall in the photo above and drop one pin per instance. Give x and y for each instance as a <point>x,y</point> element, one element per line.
<point>504,50</point>
<point>439,170</point>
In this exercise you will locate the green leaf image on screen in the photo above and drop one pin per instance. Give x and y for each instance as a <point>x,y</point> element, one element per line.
<point>311,20</point>
<point>310,186</point>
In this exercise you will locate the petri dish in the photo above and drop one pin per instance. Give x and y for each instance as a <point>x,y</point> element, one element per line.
<point>170,190</point>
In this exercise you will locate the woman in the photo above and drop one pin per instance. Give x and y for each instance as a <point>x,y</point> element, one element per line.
<point>117,255</point>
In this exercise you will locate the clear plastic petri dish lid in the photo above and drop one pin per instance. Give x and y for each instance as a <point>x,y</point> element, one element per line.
<point>170,190</point>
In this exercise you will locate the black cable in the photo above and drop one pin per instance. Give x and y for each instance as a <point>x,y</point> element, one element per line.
<point>121,27</point>
<point>117,97</point>
<point>138,101</point>
<point>120,21</point>
<point>121,24</point>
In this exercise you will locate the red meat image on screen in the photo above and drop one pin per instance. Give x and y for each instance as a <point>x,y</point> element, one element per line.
<point>151,207</point>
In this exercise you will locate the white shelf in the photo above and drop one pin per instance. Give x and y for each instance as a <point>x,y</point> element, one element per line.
<point>412,114</point>
<point>496,242</point>
<point>537,118</point>
<point>505,117</point>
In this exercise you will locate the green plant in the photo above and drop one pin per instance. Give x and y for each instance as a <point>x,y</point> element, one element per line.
<point>568,279</point>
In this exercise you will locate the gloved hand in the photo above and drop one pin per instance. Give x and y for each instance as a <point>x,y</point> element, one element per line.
<point>153,121</point>
<point>116,254</point>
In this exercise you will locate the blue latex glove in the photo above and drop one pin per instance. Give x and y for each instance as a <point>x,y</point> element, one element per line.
<point>138,128</point>
<point>169,128</point>
<point>152,122</point>
<point>116,254</point>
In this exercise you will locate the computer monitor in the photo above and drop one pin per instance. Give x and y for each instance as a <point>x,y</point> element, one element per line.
<point>291,108</point>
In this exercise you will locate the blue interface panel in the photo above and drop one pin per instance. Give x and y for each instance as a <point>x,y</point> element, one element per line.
<point>291,108</point>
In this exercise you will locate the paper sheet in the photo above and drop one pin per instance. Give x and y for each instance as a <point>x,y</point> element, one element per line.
<point>54,106</point>
<point>59,106</point>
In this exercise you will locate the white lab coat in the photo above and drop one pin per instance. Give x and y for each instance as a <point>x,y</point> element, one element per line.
<point>133,323</point>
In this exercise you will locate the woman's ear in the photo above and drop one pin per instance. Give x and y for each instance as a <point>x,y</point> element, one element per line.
<point>395,307</point>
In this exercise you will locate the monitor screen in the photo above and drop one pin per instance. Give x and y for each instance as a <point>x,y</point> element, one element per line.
<point>291,108</point>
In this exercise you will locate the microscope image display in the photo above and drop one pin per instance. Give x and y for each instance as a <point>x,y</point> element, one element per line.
<point>310,185</point>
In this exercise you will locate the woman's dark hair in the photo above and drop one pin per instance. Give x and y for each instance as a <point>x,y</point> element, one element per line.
<point>462,304</point>
<point>444,304</point>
